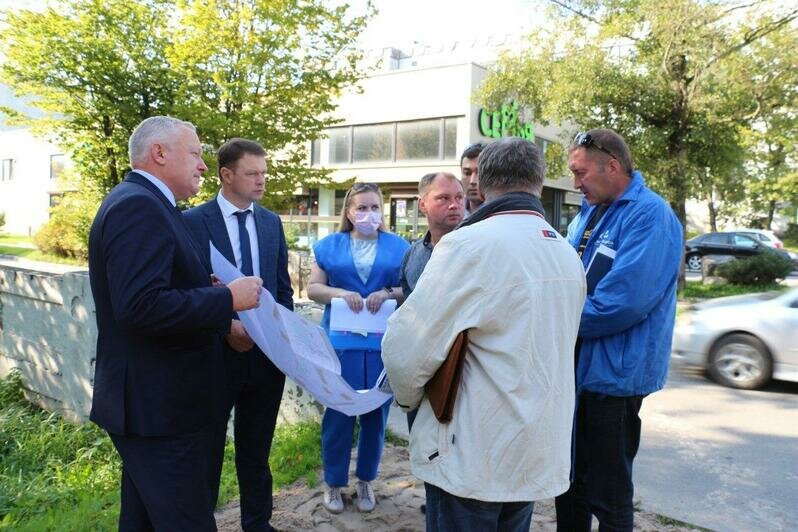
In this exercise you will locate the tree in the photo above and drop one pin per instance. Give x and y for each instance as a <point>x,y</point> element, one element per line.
<point>95,68</point>
<point>651,69</point>
<point>264,69</point>
<point>768,73</point>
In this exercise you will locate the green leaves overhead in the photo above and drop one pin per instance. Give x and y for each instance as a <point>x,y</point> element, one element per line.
<point>666,74</point>
<point>262,69</point>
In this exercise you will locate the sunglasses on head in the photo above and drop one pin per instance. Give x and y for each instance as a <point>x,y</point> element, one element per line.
<point>586,140</point>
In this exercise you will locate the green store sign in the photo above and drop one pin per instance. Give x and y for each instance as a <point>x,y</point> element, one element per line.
<point>505,123</point>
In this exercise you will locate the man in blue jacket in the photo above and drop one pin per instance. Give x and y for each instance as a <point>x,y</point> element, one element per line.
<point>631,245</point>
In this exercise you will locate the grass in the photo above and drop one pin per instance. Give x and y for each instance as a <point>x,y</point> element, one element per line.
<point>698,290</point>
<point>55,475</point>
<point>23,247</point>
<point>12,240</point>
<point>669,521</point>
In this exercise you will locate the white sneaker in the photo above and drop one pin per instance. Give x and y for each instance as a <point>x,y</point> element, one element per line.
<point>332,500</point>
<point>365,496</point>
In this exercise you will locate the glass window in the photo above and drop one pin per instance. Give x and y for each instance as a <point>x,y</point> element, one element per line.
<point>541,144</point>
<point>450,138</point>
<point>339,145</point>
<point>315,152</point>
<point>7,172</point>
<point>418,140</point>
<point>372,143</point>
<point>744,241</point>
<point>716,238</point>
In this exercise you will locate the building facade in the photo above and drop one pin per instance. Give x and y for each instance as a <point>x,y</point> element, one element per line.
<point>30,168</point>
<point>405,123</point>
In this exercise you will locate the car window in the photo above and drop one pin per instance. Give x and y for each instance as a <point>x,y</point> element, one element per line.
<point>716,238</point>
<point>758,236</point>
<point>744,241</point>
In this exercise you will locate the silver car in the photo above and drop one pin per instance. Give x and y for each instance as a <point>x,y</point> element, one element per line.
<point>742,341</point>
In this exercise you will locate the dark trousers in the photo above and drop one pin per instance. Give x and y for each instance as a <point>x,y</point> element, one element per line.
<point>255,387</point>
<point>163,483</point>
<point>449,513</point>
<point>606,439</point>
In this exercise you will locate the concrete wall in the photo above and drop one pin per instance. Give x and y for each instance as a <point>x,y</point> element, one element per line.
<point>48,331</point>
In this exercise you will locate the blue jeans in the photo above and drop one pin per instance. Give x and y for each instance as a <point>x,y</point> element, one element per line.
<point>606,439</point>
<point>449,513</point>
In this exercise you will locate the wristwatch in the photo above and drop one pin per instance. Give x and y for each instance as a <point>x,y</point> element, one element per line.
<point>388,289</point>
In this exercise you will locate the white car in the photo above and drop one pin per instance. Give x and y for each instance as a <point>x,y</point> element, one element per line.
<point>766,237</point>
<point>742,341</point>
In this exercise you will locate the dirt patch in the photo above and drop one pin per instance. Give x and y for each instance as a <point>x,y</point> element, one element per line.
<point>399,498</point>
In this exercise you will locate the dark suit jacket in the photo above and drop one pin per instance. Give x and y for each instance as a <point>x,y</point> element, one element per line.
<point>159,320</point>
<point>207,225</point>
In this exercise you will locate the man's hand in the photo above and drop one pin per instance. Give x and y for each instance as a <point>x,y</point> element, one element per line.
<point>376,299</point>
<point>246,292</point>
<point>238,339</point>
<point>354,301</point>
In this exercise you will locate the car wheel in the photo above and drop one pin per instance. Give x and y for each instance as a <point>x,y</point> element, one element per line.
<point>740,361</point>
<point>694,262</point>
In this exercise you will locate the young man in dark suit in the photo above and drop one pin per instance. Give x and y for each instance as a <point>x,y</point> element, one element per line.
<point>159,324</point>
<point>252,238</point>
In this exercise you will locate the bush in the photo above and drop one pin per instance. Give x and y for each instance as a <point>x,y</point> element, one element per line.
<point>790,236</point>
<point>66,234</point>
<point>764,268</point>
<point>2,220</point>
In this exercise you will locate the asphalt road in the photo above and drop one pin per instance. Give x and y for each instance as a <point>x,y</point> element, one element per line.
<point>720,458</point>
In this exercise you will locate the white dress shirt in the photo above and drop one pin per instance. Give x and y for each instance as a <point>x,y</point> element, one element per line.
<point>231,222</point>
<point>160,184</point>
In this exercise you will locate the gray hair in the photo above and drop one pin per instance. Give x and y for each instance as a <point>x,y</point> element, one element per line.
<point>151,130</point>
<point>427,180</point>
<point>511,163</point>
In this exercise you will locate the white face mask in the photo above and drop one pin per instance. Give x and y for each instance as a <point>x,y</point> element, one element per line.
<point>367,223</point>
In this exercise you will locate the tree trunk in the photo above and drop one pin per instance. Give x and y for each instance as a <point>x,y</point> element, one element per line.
<point>771,213</point>
<point>713,213</point>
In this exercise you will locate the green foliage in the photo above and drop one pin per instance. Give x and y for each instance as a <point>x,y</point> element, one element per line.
<point>790,237</point>
<point>395,439</point>
<point>661,73</point>
<point>11,393</point>
<point>94,82</point>
<point>58,476</point>
<point>699,290</point>
<point>259,69</point>
<point>66,233</point>
<point>296,453</point>
<point>2,220</point>
<point>762,269</point>
<point>53,472</point>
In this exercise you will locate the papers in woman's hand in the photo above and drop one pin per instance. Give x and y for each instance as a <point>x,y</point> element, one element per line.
<point>342,318</point>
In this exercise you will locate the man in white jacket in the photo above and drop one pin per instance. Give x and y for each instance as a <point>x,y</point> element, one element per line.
<point>518,288</point>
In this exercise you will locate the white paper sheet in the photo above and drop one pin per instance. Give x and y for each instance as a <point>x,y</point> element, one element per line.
<point>342,318</point>
<point>300,349</point>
